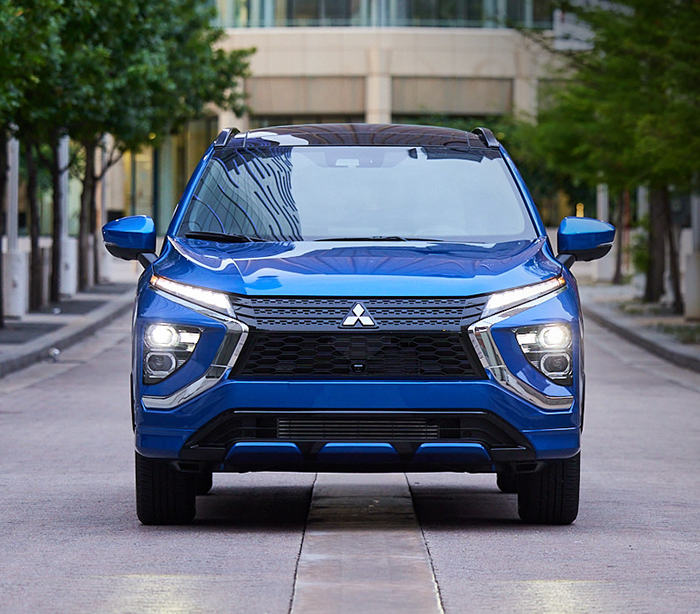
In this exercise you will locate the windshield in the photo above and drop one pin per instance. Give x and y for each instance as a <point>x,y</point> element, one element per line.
<point>314,193</point>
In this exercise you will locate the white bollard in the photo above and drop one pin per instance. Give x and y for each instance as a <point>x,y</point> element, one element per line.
<point>15,277</point>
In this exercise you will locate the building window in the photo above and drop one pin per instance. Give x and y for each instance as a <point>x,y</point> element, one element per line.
<point>397,13</point>
<point>262,121</point>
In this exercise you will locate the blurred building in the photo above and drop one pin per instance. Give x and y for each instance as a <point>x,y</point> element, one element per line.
<point>378,61</point>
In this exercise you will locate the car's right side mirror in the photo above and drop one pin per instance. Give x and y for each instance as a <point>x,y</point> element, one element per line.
<point>583,238</point>
<point>131,238</point>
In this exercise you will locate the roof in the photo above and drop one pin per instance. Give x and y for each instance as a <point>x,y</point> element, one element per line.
<point>354,134</point>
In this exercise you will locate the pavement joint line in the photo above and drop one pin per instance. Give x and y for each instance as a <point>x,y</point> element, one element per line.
<point>427,550</point>
<point>301,546</point>
<point>363,550</point>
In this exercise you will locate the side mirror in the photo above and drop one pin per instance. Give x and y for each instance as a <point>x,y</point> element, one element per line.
<point>583,238</point>
<point>131,238</point>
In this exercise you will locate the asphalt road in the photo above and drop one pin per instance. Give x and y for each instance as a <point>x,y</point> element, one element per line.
<point>70,541</point>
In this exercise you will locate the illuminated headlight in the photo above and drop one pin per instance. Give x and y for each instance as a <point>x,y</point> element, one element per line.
<point>548,348</point>
<point>166,348</point>
<point>212,299</point>
<point>512,298</point>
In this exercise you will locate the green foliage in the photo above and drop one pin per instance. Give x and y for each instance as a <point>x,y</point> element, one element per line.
<point>641,257</point>
<point>29,42</point>
<point>128,67</point>
<point>629,113</point>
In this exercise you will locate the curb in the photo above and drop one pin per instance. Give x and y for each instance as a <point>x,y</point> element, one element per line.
<point>67,335</point>
<point>657,343</point>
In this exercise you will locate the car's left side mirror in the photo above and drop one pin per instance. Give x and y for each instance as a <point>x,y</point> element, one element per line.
<point>583,238</point>
<point>131,238</point>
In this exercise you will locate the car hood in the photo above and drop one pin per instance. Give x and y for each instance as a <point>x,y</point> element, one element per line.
<point>356,269</point>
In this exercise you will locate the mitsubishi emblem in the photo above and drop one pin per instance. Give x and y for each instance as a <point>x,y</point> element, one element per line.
<point>358,314</point>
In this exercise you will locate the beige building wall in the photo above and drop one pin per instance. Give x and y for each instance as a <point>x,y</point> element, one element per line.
<point>370,74</point>
<point>379,72</point>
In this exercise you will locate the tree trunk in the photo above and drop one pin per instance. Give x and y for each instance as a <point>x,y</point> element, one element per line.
<point>35,272</point>
<point>95,233</point>
<point>3,230</point>
<point>673,256</point>
<point>87,198</point>
<point>654,288</point>
<point>56,255</point>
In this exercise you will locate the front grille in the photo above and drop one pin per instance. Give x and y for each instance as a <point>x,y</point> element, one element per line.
<point>366,429</point>
<point>355,355</point>
<point>310,313</point>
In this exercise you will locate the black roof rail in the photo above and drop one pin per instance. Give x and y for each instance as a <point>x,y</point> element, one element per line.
<point>487,137</point>
<point>224,136</point>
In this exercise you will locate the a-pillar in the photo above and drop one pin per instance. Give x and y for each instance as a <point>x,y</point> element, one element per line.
<point>15,276</point>
<point>692,270</point>
<point>378,87</point>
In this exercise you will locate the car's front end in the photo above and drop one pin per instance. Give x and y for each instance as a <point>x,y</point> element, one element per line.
<point>289,337</point>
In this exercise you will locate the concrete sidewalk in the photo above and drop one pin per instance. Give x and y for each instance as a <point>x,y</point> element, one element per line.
<point>37,336</point>
<point>618,309</point>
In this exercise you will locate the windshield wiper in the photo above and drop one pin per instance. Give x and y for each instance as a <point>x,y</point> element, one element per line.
<point>221,237</point>
<point>378,238</point>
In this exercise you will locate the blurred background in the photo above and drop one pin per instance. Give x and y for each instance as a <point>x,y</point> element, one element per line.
<point>106,108</point>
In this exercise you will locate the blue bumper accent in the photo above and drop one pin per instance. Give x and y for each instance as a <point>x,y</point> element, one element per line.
<point>361,453</point>
<point>253,453</point>
<point>452,453</point>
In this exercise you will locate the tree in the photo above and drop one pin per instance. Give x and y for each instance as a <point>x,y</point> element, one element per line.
<point>610,121</point>
<point>142,67</point>
<point>29,43</point>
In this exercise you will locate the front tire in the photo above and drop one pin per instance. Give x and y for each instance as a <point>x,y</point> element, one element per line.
<point>205,481</point>
<point>551,495</point>
<point>507,482</point>
<point>164,495</point>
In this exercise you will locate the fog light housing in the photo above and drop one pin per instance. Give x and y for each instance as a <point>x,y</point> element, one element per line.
<point>159,365</point>
<point>549,349</point>
<point>166,348</point>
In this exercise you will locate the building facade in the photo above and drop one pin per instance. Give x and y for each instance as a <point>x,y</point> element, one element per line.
<point>376,61</point>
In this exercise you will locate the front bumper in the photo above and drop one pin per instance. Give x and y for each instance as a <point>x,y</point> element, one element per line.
<point>170,424</point>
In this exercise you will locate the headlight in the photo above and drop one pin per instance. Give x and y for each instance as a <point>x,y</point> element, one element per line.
<point>548,348</point>
<point>218,301</point>
<point>166,348</point>
<point>512,298</point>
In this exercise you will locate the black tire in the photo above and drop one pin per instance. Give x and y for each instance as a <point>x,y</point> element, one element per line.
<point>164,495</point>
<point>204,482</point>
<point>507,482</point>
<point>550,496</point>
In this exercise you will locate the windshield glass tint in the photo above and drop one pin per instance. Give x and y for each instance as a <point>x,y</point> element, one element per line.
<point>309,193</point>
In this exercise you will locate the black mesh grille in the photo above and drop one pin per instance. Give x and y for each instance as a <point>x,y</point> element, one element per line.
<point>367,429</point>
<point>355,355</point>
<point>300,427</point>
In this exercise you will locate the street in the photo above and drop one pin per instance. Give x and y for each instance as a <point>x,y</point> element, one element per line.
<point>70,540</point>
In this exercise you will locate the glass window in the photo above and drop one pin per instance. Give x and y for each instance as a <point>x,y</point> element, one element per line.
<point>542,12</point>
<point>515,12</point>
<point>309,193</point>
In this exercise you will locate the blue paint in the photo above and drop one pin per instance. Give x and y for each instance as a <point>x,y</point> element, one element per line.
<point>355,272</point>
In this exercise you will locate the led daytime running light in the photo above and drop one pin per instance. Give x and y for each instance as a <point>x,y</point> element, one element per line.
<point>511,298</point>
<point>201,296</point>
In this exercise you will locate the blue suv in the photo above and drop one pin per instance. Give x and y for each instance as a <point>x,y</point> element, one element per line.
<point>357,298</point>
